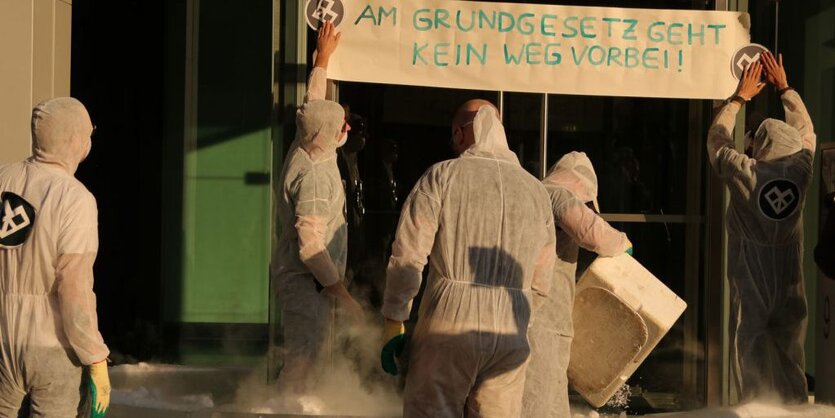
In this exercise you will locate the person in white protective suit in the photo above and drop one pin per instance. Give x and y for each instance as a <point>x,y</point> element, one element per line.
<point>48,243</point>
<point>486,226</point>
<point>572,186</point>
<point>309,263</point>
<point>765,237</point>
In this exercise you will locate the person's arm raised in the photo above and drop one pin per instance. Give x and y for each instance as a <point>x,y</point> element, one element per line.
<point>719,135</point>
<point>796,114</point>
<point>326,44</point>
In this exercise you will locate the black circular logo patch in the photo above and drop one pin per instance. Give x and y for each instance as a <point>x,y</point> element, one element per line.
<point>317,11</point>
<point>745,56</point>
<point>17,217</point>
<point>779,199</point>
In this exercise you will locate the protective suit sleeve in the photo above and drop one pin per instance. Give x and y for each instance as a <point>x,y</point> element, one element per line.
<point>719,135</point>
<point>798,117</point>
<point>729,163</point>
<point>77,248</point>
<point>313,196</point>
<point>317,85</point>
<point>590,231</point>
<point>544,269</point>
<point>412,244</point>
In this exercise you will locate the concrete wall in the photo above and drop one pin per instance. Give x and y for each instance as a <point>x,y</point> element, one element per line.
<point>34,66</point>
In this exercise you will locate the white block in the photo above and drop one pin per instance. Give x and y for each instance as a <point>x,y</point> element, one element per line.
<point>621,312</point>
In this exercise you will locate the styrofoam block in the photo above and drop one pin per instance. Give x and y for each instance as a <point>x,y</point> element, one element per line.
<point>621,312</point>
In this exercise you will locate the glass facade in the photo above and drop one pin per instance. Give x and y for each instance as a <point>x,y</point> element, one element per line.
<point>218,213</point>
<point>228,139</point>
<point>195,104</point>
<point>642,154</point>
<point>648,154</point>
<point>649,158</point>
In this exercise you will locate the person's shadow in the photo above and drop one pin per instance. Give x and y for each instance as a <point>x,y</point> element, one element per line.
<point>492,266</point>
<point>501,320</point>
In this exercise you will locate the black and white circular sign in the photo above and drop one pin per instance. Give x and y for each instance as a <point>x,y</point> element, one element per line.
<point>317,11</point>
<point>17,217</point>
<point>779,199</point>
<point>745,56</point>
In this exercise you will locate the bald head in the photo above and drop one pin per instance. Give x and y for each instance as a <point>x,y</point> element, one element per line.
<point>466,112</point>
<point>463,136</point>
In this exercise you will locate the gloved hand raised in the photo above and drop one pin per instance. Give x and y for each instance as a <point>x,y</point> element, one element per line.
<point>394,339</point>
<point>99,386</point>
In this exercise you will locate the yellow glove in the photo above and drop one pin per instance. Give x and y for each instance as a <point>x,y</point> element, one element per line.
<point>392,329</point>
<point>394,339</point>
<point>99,389</point>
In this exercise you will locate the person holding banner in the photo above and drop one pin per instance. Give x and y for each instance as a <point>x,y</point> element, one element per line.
<point>309,263</point>
<point>572,186</point>
<point>765,236</point>
<point>486,227</point>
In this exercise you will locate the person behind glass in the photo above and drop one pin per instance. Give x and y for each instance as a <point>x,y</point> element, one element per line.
<point>308,265</point>
<point>349,169</point>
<point>765,236</point>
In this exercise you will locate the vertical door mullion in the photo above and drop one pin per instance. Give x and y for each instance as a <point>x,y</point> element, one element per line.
<point>190,132</point>
<point>290,43</point>
<point>692,246</point>
<point>543,137</point>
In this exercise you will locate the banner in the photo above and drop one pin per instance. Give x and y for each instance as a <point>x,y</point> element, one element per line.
<point>537,48</point>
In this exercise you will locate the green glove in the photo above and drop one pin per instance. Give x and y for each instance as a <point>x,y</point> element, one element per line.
<point>99,385</point>
<point>395,337</point>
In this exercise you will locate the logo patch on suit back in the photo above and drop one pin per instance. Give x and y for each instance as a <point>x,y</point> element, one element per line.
<point>17,217</point>
<point>779,199</point>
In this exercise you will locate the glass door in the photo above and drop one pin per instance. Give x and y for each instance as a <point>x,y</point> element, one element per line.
<point>219,164</point>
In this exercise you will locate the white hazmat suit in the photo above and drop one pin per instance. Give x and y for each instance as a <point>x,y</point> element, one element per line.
<point>485,225</point>
<point>48,244</point>
<point>312,247</point>
<point>765,247</point>
<point>571,183</point>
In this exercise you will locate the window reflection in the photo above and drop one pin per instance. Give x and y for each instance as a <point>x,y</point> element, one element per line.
<point>638,148</point>
<point>405,130</point>
<point>522,120</point>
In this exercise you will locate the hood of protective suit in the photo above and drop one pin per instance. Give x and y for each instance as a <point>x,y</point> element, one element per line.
<point>490,138</point>
<point>574,172</point>
<point>318,124</point>
<point>61,130</point>
<point>775,139</point>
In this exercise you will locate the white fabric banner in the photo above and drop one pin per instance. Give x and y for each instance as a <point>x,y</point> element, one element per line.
<point>537,48</point>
